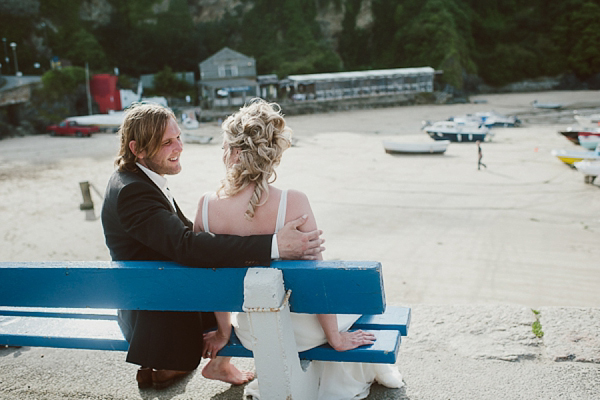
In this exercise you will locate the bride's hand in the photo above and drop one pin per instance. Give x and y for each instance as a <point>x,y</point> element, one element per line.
<point>351,340</point>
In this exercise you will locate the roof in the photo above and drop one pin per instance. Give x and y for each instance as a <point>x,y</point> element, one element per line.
<point>16,81</point>
<point>266,79</point>
<point>377,73</point>
<point>226,54</point>
<point>228,83</point>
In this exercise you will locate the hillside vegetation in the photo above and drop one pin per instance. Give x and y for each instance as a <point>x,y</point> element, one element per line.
<point>496,41</point>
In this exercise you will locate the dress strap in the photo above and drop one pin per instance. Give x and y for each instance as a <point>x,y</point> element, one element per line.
<point>281,211</point>
<point>205,211</point>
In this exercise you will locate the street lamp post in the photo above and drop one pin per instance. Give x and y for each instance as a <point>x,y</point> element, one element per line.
<point>5,52</point>
<point>14,47</point>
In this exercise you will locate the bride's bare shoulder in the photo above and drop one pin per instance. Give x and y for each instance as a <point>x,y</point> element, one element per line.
<point>297,201</point>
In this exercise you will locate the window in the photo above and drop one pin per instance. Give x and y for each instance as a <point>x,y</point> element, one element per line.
<point>228,70</point>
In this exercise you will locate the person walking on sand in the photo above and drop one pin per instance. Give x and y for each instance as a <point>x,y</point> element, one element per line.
<point>142,221</point>
<point>479,156</point>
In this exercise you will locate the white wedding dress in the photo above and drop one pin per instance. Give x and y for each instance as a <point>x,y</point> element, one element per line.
<point>339,380</point>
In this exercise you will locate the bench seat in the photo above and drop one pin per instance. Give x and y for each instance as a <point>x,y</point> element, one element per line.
<point>98,330</point>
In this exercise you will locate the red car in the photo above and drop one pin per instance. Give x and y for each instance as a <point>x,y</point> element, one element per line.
<point>71,128</point>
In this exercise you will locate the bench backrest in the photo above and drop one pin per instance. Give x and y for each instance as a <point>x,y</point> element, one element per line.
<point>342,287</point>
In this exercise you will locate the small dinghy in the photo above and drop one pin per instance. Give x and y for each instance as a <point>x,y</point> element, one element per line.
<point>437,147</point>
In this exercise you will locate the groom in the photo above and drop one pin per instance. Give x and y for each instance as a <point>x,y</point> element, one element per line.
<point>142,221</point>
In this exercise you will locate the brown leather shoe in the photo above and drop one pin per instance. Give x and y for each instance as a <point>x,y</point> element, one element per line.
<point>163,378</point>
<point>144,378</point>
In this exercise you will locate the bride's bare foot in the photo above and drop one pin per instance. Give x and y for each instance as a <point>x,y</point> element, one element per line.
<point>221,369</point>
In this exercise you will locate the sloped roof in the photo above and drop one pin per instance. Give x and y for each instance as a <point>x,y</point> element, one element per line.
<point>226,54</point>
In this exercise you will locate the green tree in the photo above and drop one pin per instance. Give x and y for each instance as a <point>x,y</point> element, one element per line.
<point>354,42</point>
<point>81,47</point>
<point>167,84</point>
<point>584,57</point>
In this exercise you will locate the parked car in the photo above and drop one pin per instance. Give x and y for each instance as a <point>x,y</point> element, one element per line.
<point>72,128</point>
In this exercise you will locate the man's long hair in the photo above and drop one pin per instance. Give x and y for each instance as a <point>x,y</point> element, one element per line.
<point>145,123</point>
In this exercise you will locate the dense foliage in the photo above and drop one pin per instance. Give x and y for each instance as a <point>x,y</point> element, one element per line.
<point>501,41</point>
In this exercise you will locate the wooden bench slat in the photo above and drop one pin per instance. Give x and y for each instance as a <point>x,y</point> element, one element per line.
<point>383,351</point>
<point>83,313</point>
<point>394,318</point>
<point>317,287</point>
<point>105,335</point>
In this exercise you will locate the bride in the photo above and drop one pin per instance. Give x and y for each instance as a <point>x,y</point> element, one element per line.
<point>247,204</point>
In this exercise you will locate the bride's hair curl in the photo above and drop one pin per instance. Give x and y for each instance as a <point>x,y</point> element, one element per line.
<point>259,132</point>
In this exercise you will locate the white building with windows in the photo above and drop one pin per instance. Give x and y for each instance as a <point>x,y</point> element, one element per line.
<point>228,78</point>
<point>340,85</point>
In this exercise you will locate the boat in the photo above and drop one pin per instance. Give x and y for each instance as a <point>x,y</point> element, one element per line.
<point>457,131</point>
<point>492,119</point>
<point>189,137</point>
<point>547,106</point>
<point>589,140</point>
<point>489,119</point>
<point>112,120</point>
<point>435,147</point>
<point>590,170</point>
<point>573,156</point>
<point>573,132</point>
<point>587,120</point>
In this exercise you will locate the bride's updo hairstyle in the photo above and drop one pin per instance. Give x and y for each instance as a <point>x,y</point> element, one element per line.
<point>258,130</point>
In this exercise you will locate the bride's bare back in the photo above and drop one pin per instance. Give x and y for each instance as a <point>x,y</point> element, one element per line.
<point>226,214</point>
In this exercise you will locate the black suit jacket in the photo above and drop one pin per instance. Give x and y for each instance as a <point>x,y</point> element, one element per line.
<point>141,224</point>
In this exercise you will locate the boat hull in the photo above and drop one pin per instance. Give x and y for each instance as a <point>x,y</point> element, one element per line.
<point>438,147</point>
<point>570,157</point>
<point>591,168</point>
<point>590,142</point>
<point>458,137</point>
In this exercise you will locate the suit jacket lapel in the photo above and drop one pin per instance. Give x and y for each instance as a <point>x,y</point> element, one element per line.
<point>181,216</point>
<point>147,178</point>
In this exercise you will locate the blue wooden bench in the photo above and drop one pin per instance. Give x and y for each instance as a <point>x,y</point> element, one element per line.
<point>72,304</point>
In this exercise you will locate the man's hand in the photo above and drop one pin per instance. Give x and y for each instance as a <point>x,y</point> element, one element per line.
<point>295,245</point>
<point>213,342</point>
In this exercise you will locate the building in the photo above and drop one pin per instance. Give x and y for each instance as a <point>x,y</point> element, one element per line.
<point>16,91</point>
<point>228,78</point>
<point>340,85</point>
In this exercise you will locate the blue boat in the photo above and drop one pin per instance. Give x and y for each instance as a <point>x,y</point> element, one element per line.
<point>457,132</point>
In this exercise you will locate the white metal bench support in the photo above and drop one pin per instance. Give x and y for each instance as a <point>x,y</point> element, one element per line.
<point>278,368</point>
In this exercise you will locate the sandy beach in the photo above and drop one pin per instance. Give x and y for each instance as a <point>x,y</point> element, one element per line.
<point>522,233</point>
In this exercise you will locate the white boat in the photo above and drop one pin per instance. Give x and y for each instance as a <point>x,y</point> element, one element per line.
<point>573,156</point>
<point>589,141</point>
<point>588,167</point>
<point>587,120</point>
<point>550,106</point>
<point>189,137</point>
<point>492,119</point>
<point>590,170</point>
<point>457,131</point>
<point>113,119</point>
<point>435,147</point>
<point>489,119</point>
